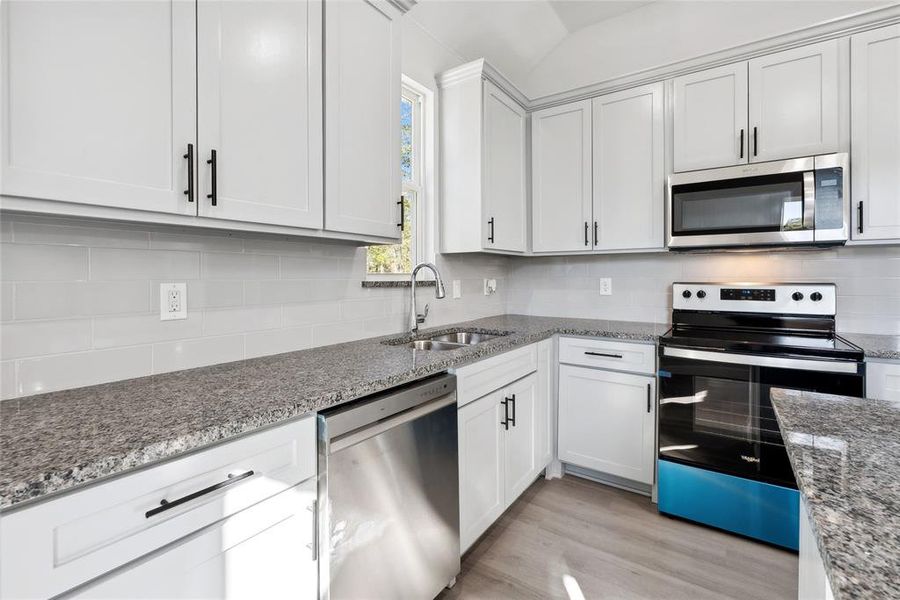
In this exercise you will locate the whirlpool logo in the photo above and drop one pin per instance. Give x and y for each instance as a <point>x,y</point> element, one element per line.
<point>749,459</point>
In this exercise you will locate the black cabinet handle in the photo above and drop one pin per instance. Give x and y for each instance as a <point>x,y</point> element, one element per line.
<point>512,400</point>
<point>742,142</point>
<point>595,233</point>
<point>165,505</point>
<point>586,233</point>
<point>402,214</point>
<point>859,217</point>
<point>755,143</point>
<point>491,236</point>
<point>604,354</point>
<point>649,400</point>
<point>505,421</point>
<point>189,192</point>
<point>212,195</point>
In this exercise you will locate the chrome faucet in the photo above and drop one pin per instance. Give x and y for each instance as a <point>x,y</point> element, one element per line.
<point>414,317</point>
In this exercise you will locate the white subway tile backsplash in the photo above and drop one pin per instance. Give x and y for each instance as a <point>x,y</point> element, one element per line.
<point>277,341</point>
<point>315,268</point>
<point>6,301</point>
<point>310,313</point>
<point>109,264</point>
<point>239,266</point>
<point>58,299</point>
<point>21,262</point>
<point>188,354</point>
<point>53,232</point>
<point>355,310</point>
<point>205,242</point>
<point>204,294</point>
<point>233,320</point>
<point>144,329</point>
<point>36,338</point>
<point>63,371</point>
<point>7,379</point>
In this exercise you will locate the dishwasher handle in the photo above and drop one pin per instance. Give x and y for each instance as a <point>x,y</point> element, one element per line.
<point>352,438</point>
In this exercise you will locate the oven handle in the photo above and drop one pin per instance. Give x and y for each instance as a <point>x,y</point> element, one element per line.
<point>799,364</point>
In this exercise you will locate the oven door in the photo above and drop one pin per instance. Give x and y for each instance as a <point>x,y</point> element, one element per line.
<point>716,414</point>
<point>763,204</point>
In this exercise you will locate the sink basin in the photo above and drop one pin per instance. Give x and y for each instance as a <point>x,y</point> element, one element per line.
<point>469,338</point>
<point>434,345</point>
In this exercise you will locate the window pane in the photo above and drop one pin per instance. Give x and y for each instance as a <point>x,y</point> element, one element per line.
<point>406,139</point>
<point>397,258</point>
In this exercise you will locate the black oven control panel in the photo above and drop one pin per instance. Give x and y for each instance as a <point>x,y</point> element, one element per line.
<point>757,294</point>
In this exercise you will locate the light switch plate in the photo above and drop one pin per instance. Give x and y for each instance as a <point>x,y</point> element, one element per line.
<point>172,301</point>
<point>605,286</point>
<point>457,289</point>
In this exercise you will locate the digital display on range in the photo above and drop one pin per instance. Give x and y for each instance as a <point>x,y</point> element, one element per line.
<point>761,295</point>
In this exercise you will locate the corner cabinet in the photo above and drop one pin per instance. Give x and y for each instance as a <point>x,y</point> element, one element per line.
<point>484,164</point>
<point>362,116</point>
<point>875,148</point>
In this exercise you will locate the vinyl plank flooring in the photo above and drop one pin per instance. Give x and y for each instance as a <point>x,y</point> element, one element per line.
<point>572,538</point>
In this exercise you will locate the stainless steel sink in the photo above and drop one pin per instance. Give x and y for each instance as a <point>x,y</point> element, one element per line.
<point>434,345</point>
<point>469,338</point>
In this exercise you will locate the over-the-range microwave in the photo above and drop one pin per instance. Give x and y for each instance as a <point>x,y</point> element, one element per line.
<point>801,201</point>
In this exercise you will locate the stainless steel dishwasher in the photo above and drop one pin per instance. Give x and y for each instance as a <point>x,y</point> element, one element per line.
<point>389,494</point>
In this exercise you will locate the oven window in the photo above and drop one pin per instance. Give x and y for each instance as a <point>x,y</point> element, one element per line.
<point>756,204</point>
<point>724,408</point>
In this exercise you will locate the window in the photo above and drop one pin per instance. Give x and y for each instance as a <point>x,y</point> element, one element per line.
<point>399,259</point>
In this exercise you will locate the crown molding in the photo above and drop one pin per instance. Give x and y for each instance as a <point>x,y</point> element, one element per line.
<point>480,68</point>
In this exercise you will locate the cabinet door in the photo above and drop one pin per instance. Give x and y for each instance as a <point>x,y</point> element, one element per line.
<point>561,178</point>
<point>260,108</point>
<point>481,467</point>
<point>545,416</point>
<point>522,436</point>
<point>264,551</point>
<point>795,102</point>
<point>98,104</point>
<point>875,98</point>
<point>629,174</point>
<point>362,118</point>
<point>503,177</point>
<point>710,118</point>
<point>606,422</point>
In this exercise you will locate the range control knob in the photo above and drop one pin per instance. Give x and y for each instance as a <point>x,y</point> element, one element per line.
<point>701,294</point>
<point>815,296</point>
<point>686,294</point>
<point>797,296</point>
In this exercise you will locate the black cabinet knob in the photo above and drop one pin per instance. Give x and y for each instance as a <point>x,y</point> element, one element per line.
<point>797,296</point>
<point>701,294</point>
<point>815,296</point>
<point>686,294</point>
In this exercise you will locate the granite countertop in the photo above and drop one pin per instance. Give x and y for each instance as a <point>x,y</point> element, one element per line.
<point>846,456</point>
<point>54,442</point>
<point>876,346</point>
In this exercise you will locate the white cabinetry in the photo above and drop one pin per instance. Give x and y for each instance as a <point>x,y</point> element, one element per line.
<point>629,171</point>
<point>607,419</point>
<point>875,148</point>
<point>249,506</point>
<point>362,116</point>
<point>259,96</point>
<point>98,103</point>
<point>561,178</point>
<point>883,380</point>
<point>710,118</point>
<point>483,161</point>
<point>812,581</point>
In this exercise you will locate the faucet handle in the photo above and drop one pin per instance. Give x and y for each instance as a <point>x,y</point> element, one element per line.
<point>425,312</point>
<point>420,318</point>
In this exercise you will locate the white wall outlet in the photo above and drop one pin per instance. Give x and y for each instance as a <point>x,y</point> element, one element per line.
<point>172,301</point>
<point>457,289</point>
<point>605,286</point>
<point>490,286</point>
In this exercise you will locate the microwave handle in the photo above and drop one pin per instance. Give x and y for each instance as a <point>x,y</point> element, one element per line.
<point>809,200</point>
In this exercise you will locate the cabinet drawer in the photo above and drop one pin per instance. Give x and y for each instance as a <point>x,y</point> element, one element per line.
<point>481,378</point>
<point>883,380</point>
<point>633,357</point>
<point>54,546</point>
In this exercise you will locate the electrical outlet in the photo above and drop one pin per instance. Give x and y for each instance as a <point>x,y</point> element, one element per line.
<point>490,286</point>
<point>172,301</point>
<point>605,286</point>
<point>457,289</point>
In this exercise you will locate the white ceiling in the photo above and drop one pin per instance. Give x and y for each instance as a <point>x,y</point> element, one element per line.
<point>577,14</point>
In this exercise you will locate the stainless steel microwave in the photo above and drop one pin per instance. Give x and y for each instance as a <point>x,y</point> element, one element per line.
<point>801,201</point>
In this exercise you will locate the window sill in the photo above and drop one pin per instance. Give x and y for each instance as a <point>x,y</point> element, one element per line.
<point>395,283</point>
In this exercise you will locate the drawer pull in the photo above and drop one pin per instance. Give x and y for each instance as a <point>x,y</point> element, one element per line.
<point>604,354</point>
<point>165,505</point>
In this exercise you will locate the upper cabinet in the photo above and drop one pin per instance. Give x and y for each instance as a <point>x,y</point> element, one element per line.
<point>259,96</point>
<point>561,178</point>
<point>362,131</point>
<point>710,118</point>
<point>785,105</point>
<point>484,164</point>
<point>629,169</point>
<point>98,103</point>
<point>875,154</point>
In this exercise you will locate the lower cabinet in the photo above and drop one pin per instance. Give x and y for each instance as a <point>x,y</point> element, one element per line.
<point>812,582</point>
<point>883,380</point>
<point>265,551</point>
<point>607,421</point>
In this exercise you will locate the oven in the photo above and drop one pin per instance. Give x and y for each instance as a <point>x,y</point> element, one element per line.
<point>802,201</point>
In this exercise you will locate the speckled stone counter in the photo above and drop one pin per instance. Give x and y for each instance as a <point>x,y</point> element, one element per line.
<point>846,456</point>
<point>54,442</point>
<point>876,346</point>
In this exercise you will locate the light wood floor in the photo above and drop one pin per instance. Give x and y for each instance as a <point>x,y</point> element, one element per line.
<point>570,534</point>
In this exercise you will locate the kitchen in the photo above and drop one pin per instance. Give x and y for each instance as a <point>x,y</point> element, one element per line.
<point>654,351</point>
